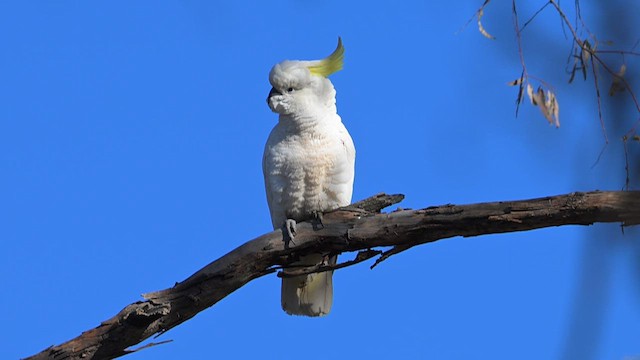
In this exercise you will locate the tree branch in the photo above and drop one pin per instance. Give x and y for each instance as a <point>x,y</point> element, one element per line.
<point>358,227</point>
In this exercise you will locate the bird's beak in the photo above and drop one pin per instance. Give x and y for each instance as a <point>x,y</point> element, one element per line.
<point>273,92</point>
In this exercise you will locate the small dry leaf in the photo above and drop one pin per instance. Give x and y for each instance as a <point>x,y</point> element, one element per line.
<point>547,103</point>
<point>515,82</point>
<point>531,95</point>
<point>479,14</point>
<point>586,52</point>
<point>552,109</point>
<point>573,73</point>
<point>617,84</point>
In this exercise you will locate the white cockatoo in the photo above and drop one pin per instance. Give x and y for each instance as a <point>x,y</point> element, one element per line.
<point>308,167</point>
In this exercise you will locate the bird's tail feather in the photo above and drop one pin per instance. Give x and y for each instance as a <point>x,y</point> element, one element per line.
<point>309,295</point>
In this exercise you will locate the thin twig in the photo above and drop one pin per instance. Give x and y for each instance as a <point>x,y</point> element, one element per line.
<point>533,16</point>
<point>626,162</point>
<point>389,253</point>
<point>519,41</point>
<point>595,82</point>
<point>621,52</point>
<point>148,346</point>
<point>360,257</point>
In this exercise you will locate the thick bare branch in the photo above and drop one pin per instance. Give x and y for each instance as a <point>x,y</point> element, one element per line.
<point>354,228</point>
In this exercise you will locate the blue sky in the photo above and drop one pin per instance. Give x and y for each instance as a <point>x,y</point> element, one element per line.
<point>131,137</point>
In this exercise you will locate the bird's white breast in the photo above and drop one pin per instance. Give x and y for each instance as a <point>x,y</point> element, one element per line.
<point>308,170</point>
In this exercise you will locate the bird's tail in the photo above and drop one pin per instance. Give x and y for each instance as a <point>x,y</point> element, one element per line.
<point>309,295</point>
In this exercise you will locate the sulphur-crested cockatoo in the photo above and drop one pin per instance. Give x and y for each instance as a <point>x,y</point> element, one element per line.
<point>308,166</point>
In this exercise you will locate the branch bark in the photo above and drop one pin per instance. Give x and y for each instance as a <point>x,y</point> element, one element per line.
<point>359,227</point>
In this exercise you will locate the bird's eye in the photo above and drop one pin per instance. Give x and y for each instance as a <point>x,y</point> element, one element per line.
<point>290,89</point>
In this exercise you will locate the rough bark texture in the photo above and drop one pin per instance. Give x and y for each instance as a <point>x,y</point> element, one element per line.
<point>359,227</point>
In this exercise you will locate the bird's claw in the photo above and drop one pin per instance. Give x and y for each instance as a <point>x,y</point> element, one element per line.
<point>290,229</point>
<point>317,215</point>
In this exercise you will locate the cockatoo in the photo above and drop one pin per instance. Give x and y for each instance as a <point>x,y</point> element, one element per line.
<point>308,167</point>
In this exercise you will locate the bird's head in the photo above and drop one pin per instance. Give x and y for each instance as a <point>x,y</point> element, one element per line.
<point>302,88</point>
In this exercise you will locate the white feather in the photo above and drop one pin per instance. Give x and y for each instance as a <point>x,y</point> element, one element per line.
<point>308,167</point>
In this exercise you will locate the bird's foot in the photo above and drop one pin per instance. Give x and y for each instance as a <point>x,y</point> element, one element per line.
<point>317,216</point>
<point>290,230</point>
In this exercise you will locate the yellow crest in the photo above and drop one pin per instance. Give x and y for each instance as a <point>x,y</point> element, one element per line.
<point>330,64</point>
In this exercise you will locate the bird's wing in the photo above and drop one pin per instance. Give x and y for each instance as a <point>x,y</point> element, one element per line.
<point>341,175</point>
<point>273,182</point>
